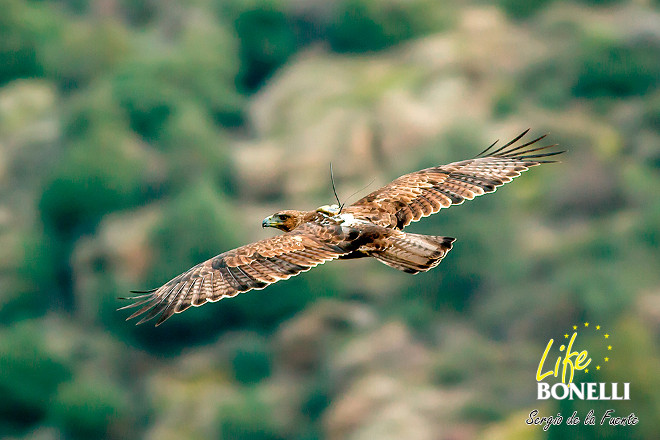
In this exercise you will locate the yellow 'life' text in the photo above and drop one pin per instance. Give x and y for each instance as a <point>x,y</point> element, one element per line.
<point>581,362</point>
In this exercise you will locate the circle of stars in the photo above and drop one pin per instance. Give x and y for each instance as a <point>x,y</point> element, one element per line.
<point>605,336</point>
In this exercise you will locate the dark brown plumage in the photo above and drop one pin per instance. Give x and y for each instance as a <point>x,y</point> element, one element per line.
<point>372,226</point>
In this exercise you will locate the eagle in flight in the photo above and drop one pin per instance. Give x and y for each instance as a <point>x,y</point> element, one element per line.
<point>371,227</point>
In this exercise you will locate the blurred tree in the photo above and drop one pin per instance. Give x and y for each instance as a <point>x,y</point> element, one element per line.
<point>24,28</point>
<point>248,419</point>
<point>549,81</point>
<point>618,68</point>
<point>652,114</point>
<point>102,168</point>
<point>32,275</point>
<point>198,69</point>
<point>93,177</point>
<point>506,100</point>
<point>193,145</point>
<point>83,51</point>
<point>30,374</point>
<point>251,359</point>
<point>267,39</point>
<point>140,12</point>
<point>370,25</point>
<point>91,409</point>
<point>523,9</point>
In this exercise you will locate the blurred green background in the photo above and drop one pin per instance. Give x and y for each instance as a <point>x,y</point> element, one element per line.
<point>139,137</point>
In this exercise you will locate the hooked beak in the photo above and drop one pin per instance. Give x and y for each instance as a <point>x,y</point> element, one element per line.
<point>269,222</point>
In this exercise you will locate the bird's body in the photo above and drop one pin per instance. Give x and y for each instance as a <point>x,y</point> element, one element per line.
<point>371,227</point>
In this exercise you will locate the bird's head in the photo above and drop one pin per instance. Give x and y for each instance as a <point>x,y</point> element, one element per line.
<point>285,220</point>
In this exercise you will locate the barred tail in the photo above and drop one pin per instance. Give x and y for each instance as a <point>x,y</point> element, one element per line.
<point>414,253</point>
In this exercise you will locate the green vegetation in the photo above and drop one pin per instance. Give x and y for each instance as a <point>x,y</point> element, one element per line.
<point>248,419</point>
<point>369,25</point>
<point>618,69</point>
<point>139,138</point>
<point>90,408</point>
<point>30,376</point>
<point>267,39</point>
<point>523,9</point>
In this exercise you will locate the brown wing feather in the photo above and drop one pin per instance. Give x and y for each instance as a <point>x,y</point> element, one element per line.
<point>253,266</point>
<point>425,192</point>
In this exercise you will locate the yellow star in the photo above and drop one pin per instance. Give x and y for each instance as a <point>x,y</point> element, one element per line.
<point>566,335</point>
<point>586,371</point>
<point>575,327</point>
<point>607,359</point>
<point>597,327</point>
<point>606,336</point>
<point>609,347</point>
<point>597,367</point>
<point>586,324</point>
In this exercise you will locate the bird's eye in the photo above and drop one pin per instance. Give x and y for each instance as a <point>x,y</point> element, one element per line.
<point>283,216</point>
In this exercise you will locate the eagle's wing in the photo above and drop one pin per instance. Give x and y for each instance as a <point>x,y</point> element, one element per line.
<point>425,192</point>
<point>253,266</point>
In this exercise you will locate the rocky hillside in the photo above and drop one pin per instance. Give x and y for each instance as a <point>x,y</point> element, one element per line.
<point>140,138</point>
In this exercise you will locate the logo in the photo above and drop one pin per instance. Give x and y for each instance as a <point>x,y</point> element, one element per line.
<point>570,361</point>
<point>569,377</point>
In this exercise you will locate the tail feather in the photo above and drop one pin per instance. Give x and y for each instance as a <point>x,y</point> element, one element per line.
<point>414,253</point>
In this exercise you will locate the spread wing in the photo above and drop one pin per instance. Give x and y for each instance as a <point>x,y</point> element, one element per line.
<point>253,266</point>
<point>425,192</point>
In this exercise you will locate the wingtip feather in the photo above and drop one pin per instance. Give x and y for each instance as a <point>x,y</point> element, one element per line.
<point>487,148</point>
<point>519,152</point>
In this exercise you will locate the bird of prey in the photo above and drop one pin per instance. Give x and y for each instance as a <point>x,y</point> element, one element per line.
<point>371,227</point>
